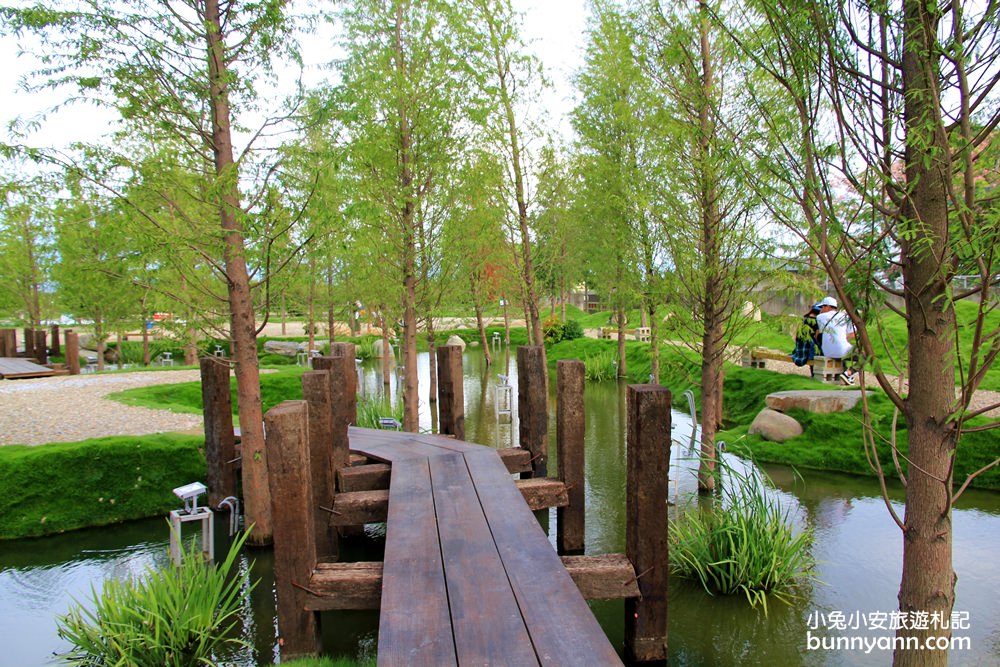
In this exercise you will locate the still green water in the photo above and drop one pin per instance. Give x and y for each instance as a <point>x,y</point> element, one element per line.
<point>857,546</point>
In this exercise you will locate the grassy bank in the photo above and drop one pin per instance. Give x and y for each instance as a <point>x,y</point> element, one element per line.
<point>53,488</point>
<point>828,442</point>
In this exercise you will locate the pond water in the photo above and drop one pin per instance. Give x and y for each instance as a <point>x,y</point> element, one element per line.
<point>856,543</point>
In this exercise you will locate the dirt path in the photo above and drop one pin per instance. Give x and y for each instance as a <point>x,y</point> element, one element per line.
<point>74,407</point>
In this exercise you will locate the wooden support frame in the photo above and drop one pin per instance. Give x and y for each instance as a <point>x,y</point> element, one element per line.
<point>358,586</point>
<point>646,524</point>
<point>570,427</point>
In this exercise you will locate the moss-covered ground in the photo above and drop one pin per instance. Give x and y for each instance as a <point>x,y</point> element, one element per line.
<point>63,486</point>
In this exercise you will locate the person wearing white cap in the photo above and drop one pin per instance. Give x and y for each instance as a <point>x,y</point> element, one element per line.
<point>838,332</point>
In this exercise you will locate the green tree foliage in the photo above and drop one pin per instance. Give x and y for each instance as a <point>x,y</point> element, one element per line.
<point>27,250</point>
<point>886,159</point>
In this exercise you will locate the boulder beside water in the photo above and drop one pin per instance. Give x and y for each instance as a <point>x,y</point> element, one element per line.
<point>775,426</point>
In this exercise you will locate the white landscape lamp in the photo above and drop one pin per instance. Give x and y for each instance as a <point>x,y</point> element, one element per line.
<point>189,495</point>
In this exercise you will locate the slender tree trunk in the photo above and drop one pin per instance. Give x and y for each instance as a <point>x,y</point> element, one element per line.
<point>411,414</point>
<point>244,330</point>
<point>432,388</point>
<point>330,323</point>
<point>928,579</point>
<point>145,341</point>
<point>387,357</point>
<point>713,324</point>
<point>506,335</point>
<point>99,337</point>
<point>311,310</point>
<point>284,316</point>
<point>479,321</point>
<point>654,342</point>
<point>620,316</point>
<point>191,347</point>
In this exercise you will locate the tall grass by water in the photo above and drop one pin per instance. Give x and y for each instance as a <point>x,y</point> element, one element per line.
<point>172,616</point>
<point>743,543</point>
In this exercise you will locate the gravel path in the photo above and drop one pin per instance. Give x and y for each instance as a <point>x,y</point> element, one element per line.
<point>73,407</point>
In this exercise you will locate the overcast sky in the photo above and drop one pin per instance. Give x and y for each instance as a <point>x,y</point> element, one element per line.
<point>553,29</point>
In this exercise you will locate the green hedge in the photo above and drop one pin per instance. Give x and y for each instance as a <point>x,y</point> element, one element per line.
<point>53,488</point>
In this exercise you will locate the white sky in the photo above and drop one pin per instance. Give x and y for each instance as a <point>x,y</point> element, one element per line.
<point>554,30</point>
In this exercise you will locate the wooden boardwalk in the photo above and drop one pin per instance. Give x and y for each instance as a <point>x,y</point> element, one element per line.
<point>11,368</point>
<point>469,576</point>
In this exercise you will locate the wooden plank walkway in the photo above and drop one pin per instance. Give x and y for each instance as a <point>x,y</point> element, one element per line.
<point>469,577</point>
<point>13,367</point>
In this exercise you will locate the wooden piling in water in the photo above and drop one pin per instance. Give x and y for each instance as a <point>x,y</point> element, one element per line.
<point>570,425</point>
<point>316,390</point>
<point>646,510</point>
<point>532,406</point>
<point>451,391</point>
<point>292,505</point>
<point>343,402</point>
<point>55,340</point>
<point>72,352</point>
<point>220,442</point>
<point>347,381</point>
<point>41,350</point>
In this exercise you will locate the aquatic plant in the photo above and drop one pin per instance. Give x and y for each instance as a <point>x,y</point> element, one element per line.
<point>601,368</point>
<point>744,542</point>
<point>373,408</point>
<point>172,616</point>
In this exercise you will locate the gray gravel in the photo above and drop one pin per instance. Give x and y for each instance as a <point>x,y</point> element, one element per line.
<point>73,407</point>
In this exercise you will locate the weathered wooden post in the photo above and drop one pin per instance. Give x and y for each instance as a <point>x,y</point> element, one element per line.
<point>532,406</point>
<point>55,340</point>
<point>646,512</point>
<point>220,442</point>
<point>41,351</point>
<point>316,388</point>
<point>72,352</point>
<point>29,342</point>
<point>293,526</point>
<point>343,406</point>
<point>570,425</point>
<point>451,391</point>
<point>8,342</point>
<point>348,379</point>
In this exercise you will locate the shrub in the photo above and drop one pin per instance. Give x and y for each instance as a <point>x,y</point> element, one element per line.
<point>179,616</point>
<point>572,329</point>
<point>552,331</point>
<point>745,543</point>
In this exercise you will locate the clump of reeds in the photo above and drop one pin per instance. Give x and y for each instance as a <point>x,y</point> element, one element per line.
<point>174,616</point>
<point>745,542</point>
<point>601,368</point>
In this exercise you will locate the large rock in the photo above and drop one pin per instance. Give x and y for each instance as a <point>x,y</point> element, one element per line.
<point>455,340</point>
<point>774,426</point>
<point>820,401</point>
<point>286,348</point>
